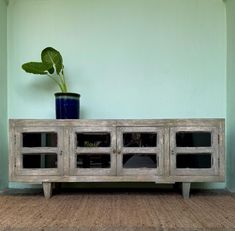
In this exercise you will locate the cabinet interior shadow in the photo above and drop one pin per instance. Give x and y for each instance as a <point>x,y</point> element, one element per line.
<point>139,161</point>
<point>39,139</point>
<point>140,139</point>
<point>195,160</point>
<point>193,139</point>
<point>93,139</point>
<point>42,160</point>
<point>93,161</point>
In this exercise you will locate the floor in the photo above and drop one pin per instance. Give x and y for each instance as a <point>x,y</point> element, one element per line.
<point>116,210</point>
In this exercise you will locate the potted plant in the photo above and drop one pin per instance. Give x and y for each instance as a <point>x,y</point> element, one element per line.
<point>51,65</point>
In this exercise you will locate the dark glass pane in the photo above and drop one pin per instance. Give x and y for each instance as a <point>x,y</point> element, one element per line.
<point>40,160</point>
<point>202,160</point>
<point>139,161</point>
<point>93,161</point>
<point>99,139</point>
<point>39,139</point>
<point>140,139</point>
<point>193,139</point>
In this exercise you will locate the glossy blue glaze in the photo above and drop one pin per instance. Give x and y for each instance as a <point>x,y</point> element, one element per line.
<point>67,105</point>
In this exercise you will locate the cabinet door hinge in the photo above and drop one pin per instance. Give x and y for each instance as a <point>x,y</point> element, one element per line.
<point>218,139</point>
<point>15,139</point>
<point>218,162</point>
<point>15,162</point>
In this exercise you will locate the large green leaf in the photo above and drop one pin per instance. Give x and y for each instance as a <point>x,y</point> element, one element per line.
<point>37,68</point>
<point>52,56</point>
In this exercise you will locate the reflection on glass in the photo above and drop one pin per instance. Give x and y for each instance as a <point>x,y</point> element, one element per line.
<point>39,139</point>
<point>42,160</point>
<point>93,139</point>
<point>93,161</point>
<point>199,160</point>
<point>140,139</point>
<point>193,139</point>
<point>139,161</point>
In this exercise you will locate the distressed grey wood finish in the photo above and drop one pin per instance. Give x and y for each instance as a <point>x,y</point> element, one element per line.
<point>74,151</point>
<point>47,189</point>
<point>118,123</point>
<point>158,151</point>
<point>186,189</point>
<point>66,150</point>
<point>20,150</point>
<point>137,178</point>
<point>194,150</point>
<point>221,150</point>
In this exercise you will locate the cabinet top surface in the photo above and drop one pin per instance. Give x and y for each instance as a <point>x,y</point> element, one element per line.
<point>116,122</point>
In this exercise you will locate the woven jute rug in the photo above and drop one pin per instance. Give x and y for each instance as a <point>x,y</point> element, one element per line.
<point>118,211</point>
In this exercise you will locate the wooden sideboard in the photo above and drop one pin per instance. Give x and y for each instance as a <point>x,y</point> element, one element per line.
<point>160,151</point>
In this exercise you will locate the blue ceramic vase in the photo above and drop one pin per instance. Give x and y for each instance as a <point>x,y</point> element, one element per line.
<point>67,105</point>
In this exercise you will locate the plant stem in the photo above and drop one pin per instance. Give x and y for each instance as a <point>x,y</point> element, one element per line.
<point>58,83</point>
<point>62,78</point>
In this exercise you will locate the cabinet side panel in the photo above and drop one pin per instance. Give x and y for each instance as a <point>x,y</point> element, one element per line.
<point>222,149</point>
<point>11,142</point>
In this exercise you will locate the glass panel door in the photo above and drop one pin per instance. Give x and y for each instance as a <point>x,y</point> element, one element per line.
<point>93,151</point>
<point>39,151</point>
<point>139,150</point>
<point>194,151</point>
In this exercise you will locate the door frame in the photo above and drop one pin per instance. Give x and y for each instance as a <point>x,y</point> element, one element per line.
<point>74,151</point>
<point>20,151</point>
<point>158,150</point>
<point>194,151</point>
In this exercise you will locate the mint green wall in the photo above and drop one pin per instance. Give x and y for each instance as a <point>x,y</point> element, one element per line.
<point>3,94</point>
<point>127,58</point>
<point>230,4</point>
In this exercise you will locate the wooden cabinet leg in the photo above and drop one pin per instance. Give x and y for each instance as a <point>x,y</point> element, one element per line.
<point>186,189</point>
<point>47,189</point>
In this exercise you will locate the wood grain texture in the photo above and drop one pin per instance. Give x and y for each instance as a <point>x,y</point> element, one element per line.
<point>47,189</point>
<point>186,189</point>
<point>166,150</point>
<point>136,178</point>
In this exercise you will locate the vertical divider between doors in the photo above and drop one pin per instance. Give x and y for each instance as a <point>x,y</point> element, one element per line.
<point>159,151</point>
<point>172,150</point>
<point>118,148</point>
<point>66,149</point>
<point>166,152</point>
<point>72,151</point>
<point>113,148</point>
